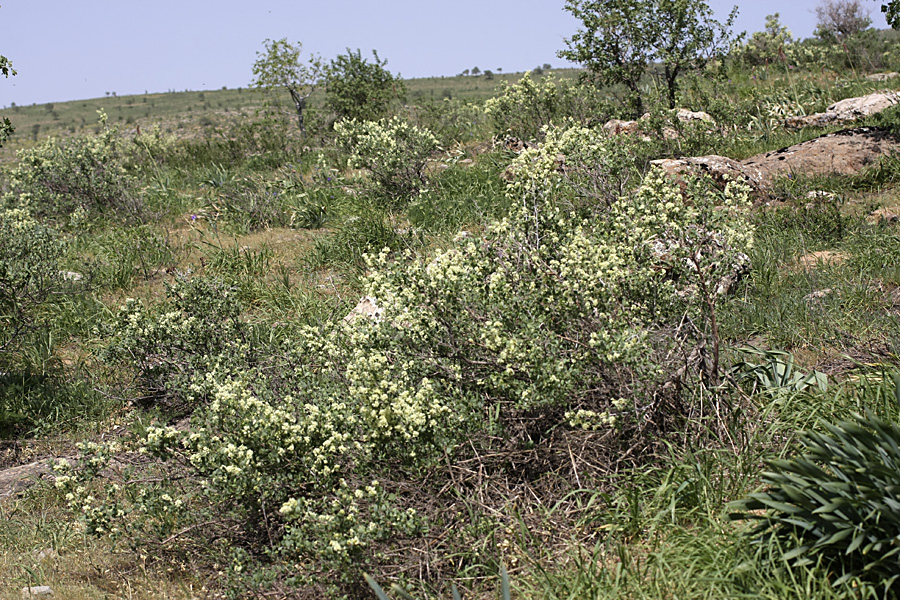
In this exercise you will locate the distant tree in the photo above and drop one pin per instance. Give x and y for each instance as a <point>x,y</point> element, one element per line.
<point>6,127</point>
<point>465,73</point>
<point>476,71</point>
<point>546,66</point>
<point>840,19</point>
<point>278,67</point>
<point>499,69</point>
<point>764,46</point>
<point>488,74</point>
<point>537,70</point>
<point>357,89</point>
<point>620,38</point>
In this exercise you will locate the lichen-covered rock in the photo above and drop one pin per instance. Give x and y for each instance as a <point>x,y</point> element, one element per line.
<point>847,110</point>
<point>842,153</point>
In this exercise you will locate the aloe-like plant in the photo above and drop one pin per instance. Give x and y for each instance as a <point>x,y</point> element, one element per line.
<point>838,500</point>
<point>775,372</point>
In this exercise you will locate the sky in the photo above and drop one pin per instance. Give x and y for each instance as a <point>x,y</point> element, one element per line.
<point>72,50</point>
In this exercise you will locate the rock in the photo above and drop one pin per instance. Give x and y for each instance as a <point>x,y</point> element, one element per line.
<point>720,168</point>
<point>72,276</point>
<point>851,109</point>
<point>37,590</point>
<point>687,116</point>
<point>883,215</point>
<point>620,127</point>
<point>820,195</point>
<point>15,480</point>
<point>367,308</point>
<point>843,153</point>
<point>816,297</point>
<point>882,76</point>
<point>516,145</point>
<point>815,120</point>
<point>47,554</point>
<point>844,111</point>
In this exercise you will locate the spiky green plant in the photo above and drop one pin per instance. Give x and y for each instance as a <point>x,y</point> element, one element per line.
<point>837,500</point>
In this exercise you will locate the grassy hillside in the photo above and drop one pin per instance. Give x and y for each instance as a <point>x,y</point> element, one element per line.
<point>188,112</point>
<point>564,364</point>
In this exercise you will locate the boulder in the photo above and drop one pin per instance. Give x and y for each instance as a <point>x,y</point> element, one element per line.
<point>37,591</point>
<point>851,109</point>
<point>618,127</point>
<point>687,116</point>
<point>882,76</point>
<point>847,110</point>
<point>842,153</point>
<point>720,168</point>
<point>367,308</point>
<point>884,215</point>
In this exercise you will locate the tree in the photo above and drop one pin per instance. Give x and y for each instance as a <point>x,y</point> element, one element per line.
<point>840,19</point>
<point>688,38</point>
<point>279,67</point>
<point>764,46</point>
<point>357,89</point>
<point>891,10</point>
<point>620,38</point>
<point>476,71</point>
<point>6,127</point>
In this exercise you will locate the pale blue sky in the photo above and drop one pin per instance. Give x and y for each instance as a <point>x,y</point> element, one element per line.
<point>74,49</point>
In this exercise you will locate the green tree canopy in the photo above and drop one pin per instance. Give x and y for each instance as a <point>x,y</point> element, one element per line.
<point>6,128</point>
<point>358,89</point>
<point>621,38</point>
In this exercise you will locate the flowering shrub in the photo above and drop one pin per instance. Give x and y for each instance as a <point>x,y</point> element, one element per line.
<point>29,272</point>
<point>393,151</point>
<point>525,108</point>
<point>578,163</point>
<point>75,178</point>
<point>176,345</point>
<point>554,311</point>
<point>452,120</point>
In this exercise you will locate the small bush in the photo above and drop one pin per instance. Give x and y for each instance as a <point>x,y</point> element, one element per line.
<point>393,151</point>
<point>29,273</point>
<point>525,108</point>
<point>174,346</point>
<point>81,177</point>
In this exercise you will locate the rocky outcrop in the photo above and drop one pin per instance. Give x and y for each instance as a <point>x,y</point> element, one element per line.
<point>842,153</point>
<point>882,76</point>
<point>16,480</point>
<point>846,111</point>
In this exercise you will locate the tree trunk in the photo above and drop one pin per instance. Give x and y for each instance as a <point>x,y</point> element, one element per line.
<point>299,104</point>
